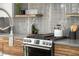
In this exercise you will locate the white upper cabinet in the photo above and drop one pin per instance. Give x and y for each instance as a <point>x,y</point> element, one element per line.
<point>9,7</point>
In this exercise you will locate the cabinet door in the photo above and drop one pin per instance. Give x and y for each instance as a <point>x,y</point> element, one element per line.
<point>16,50</point>
<point>1,47</point>
<point>65,50</point>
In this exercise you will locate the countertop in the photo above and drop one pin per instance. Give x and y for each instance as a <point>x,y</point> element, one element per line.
<point>69,42</point>
<point>21,36</point>
<point>64,41</point>
<point>58,40</point>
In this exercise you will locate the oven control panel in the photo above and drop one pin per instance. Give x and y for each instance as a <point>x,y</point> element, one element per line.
<point>37,42</point>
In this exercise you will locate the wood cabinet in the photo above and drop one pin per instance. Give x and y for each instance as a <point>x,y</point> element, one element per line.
<point>64,50</point>
<point>16,50</point>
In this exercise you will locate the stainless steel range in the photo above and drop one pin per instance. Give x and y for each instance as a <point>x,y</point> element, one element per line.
<point>38,43</point>
<point>38,47</point>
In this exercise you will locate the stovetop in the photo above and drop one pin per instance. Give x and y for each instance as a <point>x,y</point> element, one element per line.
<point>39,40</point>
<point>49,36</point>
<point>41,36</point>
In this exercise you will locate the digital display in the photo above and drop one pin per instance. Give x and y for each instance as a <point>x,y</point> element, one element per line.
<point>37,41</point>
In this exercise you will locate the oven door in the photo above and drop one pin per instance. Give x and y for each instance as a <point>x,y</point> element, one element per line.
<point>38,52</point>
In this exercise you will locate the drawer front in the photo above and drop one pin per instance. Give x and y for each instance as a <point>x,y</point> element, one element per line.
<point>18,51</point>
<point>66,50</point>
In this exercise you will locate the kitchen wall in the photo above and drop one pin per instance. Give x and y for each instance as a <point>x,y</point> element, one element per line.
<point>58,17</point>
<point>9,7</point>
<point>21,24</point>
<point>52,14</point>
<point>41,22</point>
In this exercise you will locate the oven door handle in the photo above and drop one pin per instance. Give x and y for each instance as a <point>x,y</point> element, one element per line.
<point>45,48</point>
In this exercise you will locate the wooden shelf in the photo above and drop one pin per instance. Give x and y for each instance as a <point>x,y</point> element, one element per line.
<point>29,15</point>
<point>72,14</point>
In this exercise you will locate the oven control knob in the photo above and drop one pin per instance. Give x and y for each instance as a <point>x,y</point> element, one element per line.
<point>37,41</point>
<point>47,43</point>
<point>50,44</point>
<point>43,43</point>
<point>25,40</point>
<point>28,40</point>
